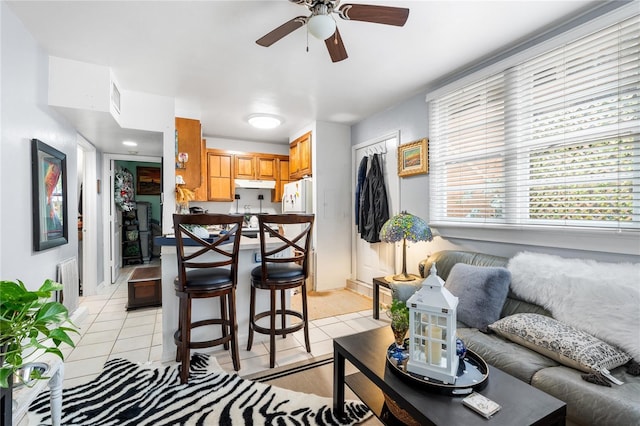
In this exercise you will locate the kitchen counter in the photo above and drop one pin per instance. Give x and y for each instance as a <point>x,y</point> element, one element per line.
<point>207,308</point>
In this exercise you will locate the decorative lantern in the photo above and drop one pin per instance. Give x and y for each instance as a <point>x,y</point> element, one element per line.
<point>432,331</point>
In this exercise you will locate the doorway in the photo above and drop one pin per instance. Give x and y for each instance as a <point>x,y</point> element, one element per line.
<point>112,226</point>
<point>88,217</point>
<point>376,259</point>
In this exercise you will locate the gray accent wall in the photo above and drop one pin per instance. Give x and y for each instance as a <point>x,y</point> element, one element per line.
<point>411,119</point>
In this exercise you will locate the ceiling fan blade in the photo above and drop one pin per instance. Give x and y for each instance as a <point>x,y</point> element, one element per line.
<point>283,30</point>
<point>377,14</point>
<point>335,46</point>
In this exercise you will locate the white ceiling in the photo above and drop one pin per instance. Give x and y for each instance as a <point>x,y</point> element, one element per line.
<point>203,53</point>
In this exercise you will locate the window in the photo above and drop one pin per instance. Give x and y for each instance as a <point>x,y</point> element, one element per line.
<point>552,141</point>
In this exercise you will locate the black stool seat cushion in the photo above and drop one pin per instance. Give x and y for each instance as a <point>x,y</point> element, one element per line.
<point>210,278</point>
<point>279,272</point>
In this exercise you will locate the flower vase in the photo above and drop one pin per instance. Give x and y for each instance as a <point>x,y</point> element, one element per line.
<point>399,332</point>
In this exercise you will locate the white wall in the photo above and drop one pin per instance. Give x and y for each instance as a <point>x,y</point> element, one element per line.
<point>246,146</point>
<point>331,162</point>
<point>78,85</point>
<point>25,115</point>
<point>144,111</point>
<point>332,176</point>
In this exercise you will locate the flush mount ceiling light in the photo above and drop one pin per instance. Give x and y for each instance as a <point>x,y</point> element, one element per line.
<point>129,143</point>
<point>264,121</point>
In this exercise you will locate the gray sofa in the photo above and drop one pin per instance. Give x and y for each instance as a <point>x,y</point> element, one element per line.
<point>587,403</point>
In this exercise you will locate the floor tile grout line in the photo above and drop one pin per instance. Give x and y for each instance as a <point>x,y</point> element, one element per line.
<point>118,292</point>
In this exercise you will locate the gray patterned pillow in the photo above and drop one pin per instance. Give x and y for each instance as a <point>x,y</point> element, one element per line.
<point>561,342</point>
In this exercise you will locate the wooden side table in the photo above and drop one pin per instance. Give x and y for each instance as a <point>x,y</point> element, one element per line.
<point>377,283</point>
<point>24,396</point>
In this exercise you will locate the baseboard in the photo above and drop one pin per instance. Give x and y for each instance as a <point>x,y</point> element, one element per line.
<point>366,289</point>
<point>79,315</point>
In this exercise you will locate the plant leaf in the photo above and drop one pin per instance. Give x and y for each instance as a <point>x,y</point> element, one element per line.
<point>50,285</point>
<point>51,312</point>
<point>61,336</point>
<point>5,372</point>
<point>55,351</point>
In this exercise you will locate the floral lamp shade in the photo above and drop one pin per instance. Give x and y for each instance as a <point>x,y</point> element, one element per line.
<point>403,227</point>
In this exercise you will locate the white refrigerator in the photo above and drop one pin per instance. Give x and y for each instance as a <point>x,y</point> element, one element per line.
<point>297,197</point>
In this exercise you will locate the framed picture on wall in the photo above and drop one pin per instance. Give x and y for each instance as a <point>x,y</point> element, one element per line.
<point>413,158</point>
<point>148,180</point>
<point>49,196</point>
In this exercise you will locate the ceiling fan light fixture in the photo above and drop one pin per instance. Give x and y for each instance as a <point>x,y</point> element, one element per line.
<point>321,26</point>
<point>264,121</point>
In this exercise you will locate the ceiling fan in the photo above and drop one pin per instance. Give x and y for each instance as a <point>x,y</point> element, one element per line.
<point>322,25</point>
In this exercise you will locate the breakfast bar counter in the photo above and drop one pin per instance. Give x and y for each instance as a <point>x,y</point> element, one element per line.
<point>206,308</point>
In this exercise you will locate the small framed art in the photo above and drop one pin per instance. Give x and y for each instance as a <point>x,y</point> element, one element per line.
<point>149,180</point>
<point>413,158</point>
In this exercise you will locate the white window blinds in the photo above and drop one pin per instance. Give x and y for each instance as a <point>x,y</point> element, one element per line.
<point>552,141</point>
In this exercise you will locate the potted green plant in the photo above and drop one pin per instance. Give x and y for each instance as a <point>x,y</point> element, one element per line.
<point>399,314</point>
<point>30,322</point>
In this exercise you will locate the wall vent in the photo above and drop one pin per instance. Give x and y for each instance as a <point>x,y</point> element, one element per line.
<point>67,275</point>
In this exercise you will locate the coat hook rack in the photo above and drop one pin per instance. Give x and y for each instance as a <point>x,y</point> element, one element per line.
<point>378,149</point>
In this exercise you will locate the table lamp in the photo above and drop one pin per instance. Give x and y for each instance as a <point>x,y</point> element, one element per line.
<point>403,227</point>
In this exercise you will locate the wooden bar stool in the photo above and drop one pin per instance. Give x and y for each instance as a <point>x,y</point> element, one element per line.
<point>208,268</point>
<point>283,267</point>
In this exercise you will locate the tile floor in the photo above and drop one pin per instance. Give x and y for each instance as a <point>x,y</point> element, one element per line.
<point>110,331</point>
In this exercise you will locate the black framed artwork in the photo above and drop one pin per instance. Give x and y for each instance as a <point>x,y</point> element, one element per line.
<point>49,196</point>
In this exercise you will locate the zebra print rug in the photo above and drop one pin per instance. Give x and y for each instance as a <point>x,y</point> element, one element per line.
<point>131,394</point>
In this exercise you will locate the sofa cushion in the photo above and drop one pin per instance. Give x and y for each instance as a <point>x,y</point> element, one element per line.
<point>588,404</point>
<point>508,356</point>
<point>561,342</point>
<point>481,291</point>
<point>513,305</point>
<point>584,293</point>
<point>403,291</point>
<point>446,259</point>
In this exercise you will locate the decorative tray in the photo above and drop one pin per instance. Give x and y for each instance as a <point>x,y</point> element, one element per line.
<point>473,374</point>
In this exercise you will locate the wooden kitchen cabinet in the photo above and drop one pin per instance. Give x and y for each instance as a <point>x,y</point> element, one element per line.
<point>282,167</point>
<point>255,166</point>
<point>245,166</point>
<point>189,140</point>
<point>266,167</point>
<point>300,157</point>
<point>220,175</point>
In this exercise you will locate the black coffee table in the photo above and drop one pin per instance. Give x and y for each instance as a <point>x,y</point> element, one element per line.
<point>521,404</point>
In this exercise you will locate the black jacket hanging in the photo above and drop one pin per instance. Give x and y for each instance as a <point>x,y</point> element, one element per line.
<point>362,174</point>
<point>374,207</point>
